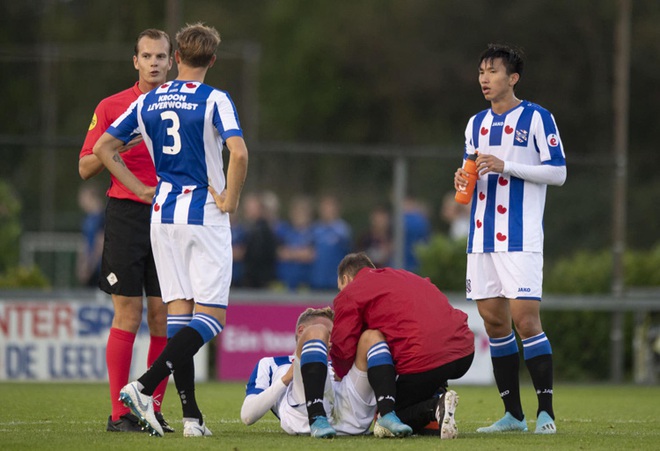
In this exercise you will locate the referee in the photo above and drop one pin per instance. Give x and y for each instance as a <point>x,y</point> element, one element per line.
<point>127,269</point>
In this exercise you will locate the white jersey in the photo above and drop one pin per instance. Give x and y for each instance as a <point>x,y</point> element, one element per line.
<point>184,125</point>
<point>507,211</point>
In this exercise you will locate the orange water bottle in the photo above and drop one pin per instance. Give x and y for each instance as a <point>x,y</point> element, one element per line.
<point>465,196</point>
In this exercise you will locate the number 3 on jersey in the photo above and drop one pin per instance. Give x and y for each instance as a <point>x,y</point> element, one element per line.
<point>173,131</point>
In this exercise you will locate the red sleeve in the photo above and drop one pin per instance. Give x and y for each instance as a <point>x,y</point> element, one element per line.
<point>97,127</point>
<point>346,332</point>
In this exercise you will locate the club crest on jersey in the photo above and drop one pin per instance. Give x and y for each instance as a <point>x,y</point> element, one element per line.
<point>553,140</point>
<point>521,136</point>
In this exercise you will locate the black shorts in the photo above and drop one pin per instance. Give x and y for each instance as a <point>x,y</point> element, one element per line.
<point>414,388</point>
<point>128,267</point>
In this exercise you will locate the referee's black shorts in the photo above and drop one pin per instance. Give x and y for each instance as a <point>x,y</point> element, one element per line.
<point>127,267</point>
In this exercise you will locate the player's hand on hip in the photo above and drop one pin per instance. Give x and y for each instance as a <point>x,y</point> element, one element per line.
<point>221,201</point>
<point>147,194</point>
<point>218,198</point>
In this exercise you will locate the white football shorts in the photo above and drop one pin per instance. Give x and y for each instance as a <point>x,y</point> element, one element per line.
<point>193,262</point>
<point>511,275</point>
<point>350,404</point>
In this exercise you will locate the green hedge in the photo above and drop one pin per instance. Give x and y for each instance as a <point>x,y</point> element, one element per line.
<point>11,275</point>
<point>19,277</point>
<point>10,226</point>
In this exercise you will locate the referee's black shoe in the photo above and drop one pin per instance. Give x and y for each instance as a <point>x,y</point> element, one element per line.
<point>125,423</point>
<point>164,424</point>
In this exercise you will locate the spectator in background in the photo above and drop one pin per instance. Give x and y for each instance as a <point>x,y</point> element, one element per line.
<point>271,205</point>
<point>377,241</point>
<point>332,241</point>
<point>295,251</point>
<point>237,250</point>
<point>88,265</point>
<point>260,244</point>
<point>418,231</point>
<point>456,215</point>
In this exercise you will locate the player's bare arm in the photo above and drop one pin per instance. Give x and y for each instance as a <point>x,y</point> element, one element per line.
<point>236,173</point>
<point>90,165</point>
<point>107,151</point>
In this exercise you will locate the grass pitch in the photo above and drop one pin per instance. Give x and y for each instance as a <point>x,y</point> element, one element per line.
<point>37,416</point>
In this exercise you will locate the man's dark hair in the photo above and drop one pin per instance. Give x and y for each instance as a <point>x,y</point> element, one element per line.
<point>512,57</point>
<point>353,263</point>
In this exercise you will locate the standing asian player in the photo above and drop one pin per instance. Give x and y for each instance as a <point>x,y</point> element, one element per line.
<point>519,155</point>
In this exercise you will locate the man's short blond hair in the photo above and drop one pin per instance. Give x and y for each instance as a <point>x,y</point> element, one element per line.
<point>311,313</point>
<point>197,43</point>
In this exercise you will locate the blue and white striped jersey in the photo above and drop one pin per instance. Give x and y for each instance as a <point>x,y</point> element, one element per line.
<point>507,212</point>
<point>184,125</point>
<point>267,371</point>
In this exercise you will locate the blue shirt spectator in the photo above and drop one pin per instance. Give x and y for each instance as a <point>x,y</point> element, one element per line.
<point>332,241</point>
<point>295,252</point>
<point>418,231</point>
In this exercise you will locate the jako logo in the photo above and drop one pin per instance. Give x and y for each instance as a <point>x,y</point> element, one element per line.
<point>524,290</point>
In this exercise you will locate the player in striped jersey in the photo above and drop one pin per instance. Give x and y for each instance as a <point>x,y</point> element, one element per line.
<point>519,154</point>
<point>306,396</point>
<point>185,124</point>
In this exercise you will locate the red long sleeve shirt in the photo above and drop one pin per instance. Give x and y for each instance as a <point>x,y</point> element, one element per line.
<point>421,328</point>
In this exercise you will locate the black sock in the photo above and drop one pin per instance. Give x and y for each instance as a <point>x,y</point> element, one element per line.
<point>180,348</point>
<point>506,370</point>
<point>382,379</point>
<point>314,375</point>
<point>540,369</point>
<point>184,379</point>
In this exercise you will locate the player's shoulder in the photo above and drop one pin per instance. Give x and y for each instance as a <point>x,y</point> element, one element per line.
<point>480,114</point>
<point>121,99</point>
<point>276,360</point>
<point>535,107</point>
<point>478,118</point>
<point>217,94</point>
